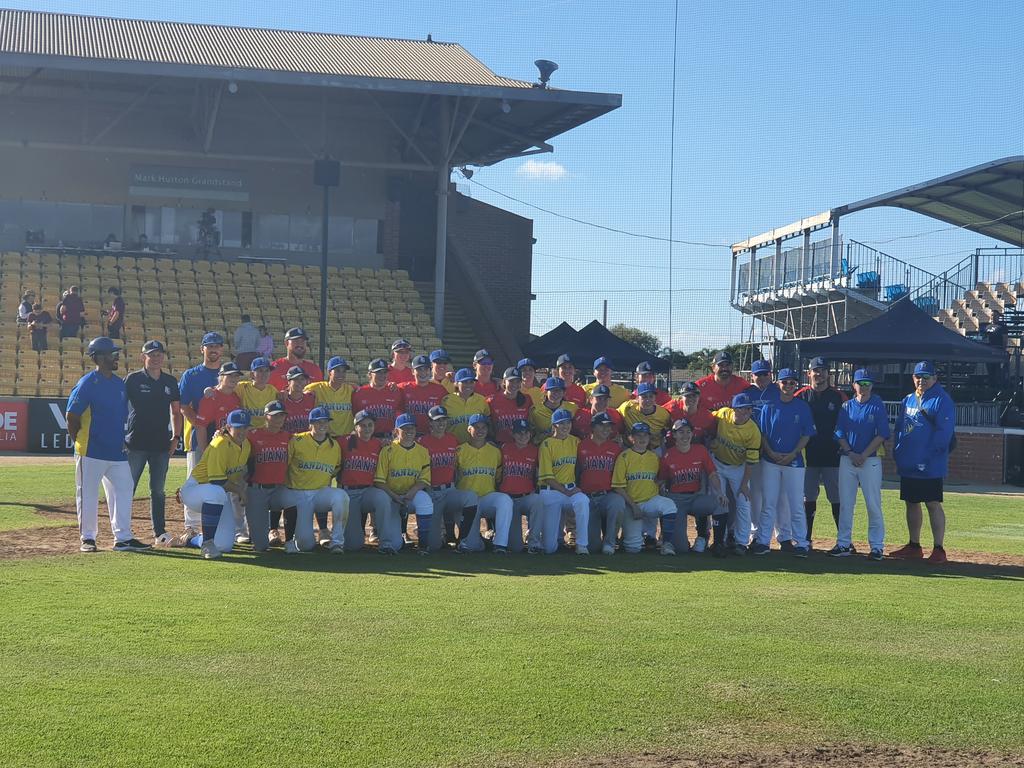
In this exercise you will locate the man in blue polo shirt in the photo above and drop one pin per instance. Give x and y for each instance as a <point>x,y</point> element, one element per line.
<point>763,390</point>
<point>786,427</point>
<point>194,383</point>
<point>96,413</point>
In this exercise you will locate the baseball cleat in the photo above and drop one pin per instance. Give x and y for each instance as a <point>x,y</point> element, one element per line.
<point>719,550</point>
<point>667,548</point>
<point>241,538</point>
<point>130,545</point>
<point>787,545</point>
<point>608,549</point>
<point>184,539</point>
<point>908,552</point>
<point>209,551</point>
<point>582,550</point>
<point>336,549</point>
<point>499,550</point>
<point>875,554</point>
<point>291,547</point>
<point>325,539</point>
<point>163,540</point>
<point>534,550</point>
<point>699,545</point>
<point>838,551</point>
<point>88,545</point>
<point>801,551</point>
<point>384,549</point>
<point>739,550</point>
<point>938,556</point>
<point>275,540</point>
<point>757,548</point>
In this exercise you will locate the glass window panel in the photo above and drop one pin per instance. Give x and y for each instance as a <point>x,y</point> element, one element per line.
<point>272,231</point>
<point>304,233</point>
<point>340,233</point>
<point>108,220</point>
<point>230,223</point>
<point>366,237</point>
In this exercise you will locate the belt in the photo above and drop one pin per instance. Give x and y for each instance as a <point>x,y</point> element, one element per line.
<point>598,494</point>
<point>444,487</point>
<point>354,487</point>
<point>518,495</point>
<point>264,486</point>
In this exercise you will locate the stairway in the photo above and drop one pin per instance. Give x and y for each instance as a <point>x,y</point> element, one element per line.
<point>460,339</point>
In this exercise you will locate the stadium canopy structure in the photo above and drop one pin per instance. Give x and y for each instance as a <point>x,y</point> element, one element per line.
<point>586,345</point>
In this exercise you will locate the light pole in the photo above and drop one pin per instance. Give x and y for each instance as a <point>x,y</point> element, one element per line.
<point>326,174</point>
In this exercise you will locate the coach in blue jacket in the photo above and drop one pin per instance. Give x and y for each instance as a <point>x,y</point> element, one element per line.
<point>924,429</point>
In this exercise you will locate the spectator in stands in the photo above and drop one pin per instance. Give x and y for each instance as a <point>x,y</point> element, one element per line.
<point>247,343</point>
<point>39,323</point>
<point>266,345</point>
<point>399,371</point>
<point>618,394</point>
<point>25,308</point>
<point>143,244</point>
<point>115,315</point>
<point>72,313</point>
<point>718,389</point>
<point>109,241</point>
<point>296,345</point>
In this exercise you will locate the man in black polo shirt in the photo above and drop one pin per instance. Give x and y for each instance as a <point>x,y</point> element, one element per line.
<point>153,406</point>
<point>822,452</point>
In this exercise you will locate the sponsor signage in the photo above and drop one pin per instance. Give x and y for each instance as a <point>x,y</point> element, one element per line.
<point>48,426</point>
<point>192,183</point>
<point>13,425</point>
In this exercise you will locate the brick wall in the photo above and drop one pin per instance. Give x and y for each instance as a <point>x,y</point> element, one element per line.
<point>979,458</point>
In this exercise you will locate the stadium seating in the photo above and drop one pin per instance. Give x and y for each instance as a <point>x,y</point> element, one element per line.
<point>177,300</point>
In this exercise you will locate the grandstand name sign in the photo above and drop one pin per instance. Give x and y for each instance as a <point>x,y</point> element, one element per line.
<point>48,426</point>
<point>192,183</point>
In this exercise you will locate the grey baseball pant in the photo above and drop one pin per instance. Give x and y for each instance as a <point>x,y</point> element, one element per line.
<point>258,503</point>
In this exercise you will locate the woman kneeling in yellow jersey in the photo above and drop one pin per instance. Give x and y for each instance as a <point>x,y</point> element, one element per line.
<point>403,471</point>
<point>314,459</point>
<point>635,477</point>
<point>219,480</point>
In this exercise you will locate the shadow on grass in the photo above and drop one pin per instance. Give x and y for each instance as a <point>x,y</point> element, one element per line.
<point>409,564</point>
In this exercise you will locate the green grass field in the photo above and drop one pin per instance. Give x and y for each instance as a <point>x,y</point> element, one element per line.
<point>163,659</point>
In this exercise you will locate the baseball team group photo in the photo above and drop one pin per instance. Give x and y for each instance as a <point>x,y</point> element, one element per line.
<point>411,387</point>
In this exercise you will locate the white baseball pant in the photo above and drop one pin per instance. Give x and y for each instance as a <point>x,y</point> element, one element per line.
<point>869,478</point>
<point>731,476</point>
<point>447,504</point>
<point>193,515</point>
<point>783,525</point>
<point>389,524</point>
<point>555,502</point>
<point>118,488</point>
<point>196,494</point>
<point>494,506</point>
<point>308,503</point>
<point>650,529</point>
<point>783,489</point>
<point>633,528</point>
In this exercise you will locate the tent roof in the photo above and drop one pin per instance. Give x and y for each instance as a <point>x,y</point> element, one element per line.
<point>588,344</point>
<point>904,332</point>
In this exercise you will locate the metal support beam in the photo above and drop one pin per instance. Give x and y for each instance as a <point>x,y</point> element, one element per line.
<point>777,265</point>
<point>124,112</point>
<point>22,83</point>
<point>284,121</point>
<point>514,135</point>
<point>441,244</point>
<point>805,254</point>
<point>414,129</point>
<point>211,122</point>
<point>454,146</point>
<point>732,279</point>
<point>401,131</point>
<point>836,258</point>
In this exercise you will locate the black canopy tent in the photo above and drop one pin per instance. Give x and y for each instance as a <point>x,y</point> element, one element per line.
<point>586,345</point>
<point>906,333</point>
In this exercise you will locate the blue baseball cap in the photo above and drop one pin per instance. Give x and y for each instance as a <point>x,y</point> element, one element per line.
<point>645,367</point>
<point>520,425</point>
<point>681,424</point>
<point>641,426</point>
<point>601,418</point>
<point>601,390</point>
<point>477,418</point>
<point>152,346</point>
<point>647,389</point>
<point>405,420</point>
<point>526,361</point>
<point>362,415</point>
<point>296,372</point>
<point>741,401</point>
<point>439,356</point>
<point>512,373</point>
<point>102,345</point>
<point>274,406</point>
<point>602,361</point>
<point>484,357</point>
<point>560,415</point>
<point>817,362</point>
<point>377,364</point>
<point>553,382</point>
<point>229,369</point>
<point>336,362</point>
<point>723,357</point>
<point>421,361</point>
<point>924,368</point>
<point>212,338</point>
<point>319,414</point>
<point>788,373</point>
<point>437,412</point>
<point>239,418</point>
<point>400,344</point>
<point>690,388</point>
<point>761,366</point>
<point>863,374</point>
<point>259,362</point>
<point>464,374</point>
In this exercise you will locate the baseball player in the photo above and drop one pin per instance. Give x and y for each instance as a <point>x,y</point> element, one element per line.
<point>600,400</point>
<point>296,344</point>
<point>381,400</point>
<point>543,410</point>
<point>645,375</point>
<point>763,390</point>
<point>509,406</point>
<point>218,481</point>
<point>441,445</point>
<point>688,473</point>
<point>483,367</point>
<point>644,409</point>
<point>191,388</point>
<point>422,394</point>
<point>862,427</point>
<point>718,388</point>
<point>217,403</point>
<point>314,460</point>
<point>399,371</point>
<point>635,478</point>
<point>478,472</point>
<point>256,394</point>
<point>297,401</point>
<point>786,427</point>
<point>360,453</point>
<point>735,449</point>
<point>617,393</point>
<point>566,370</point>
<point>689,407</point>
<point>558,490</point>
<point>403,473</point>
<point>97,410</point>
<point>594,466</point>
<point>441,369</point>
<point>528,370</point>
<point>464,404</point>
<point>520,460</point>
<point>822,452</point>
<point>268,473</point>
<point>335,395</point>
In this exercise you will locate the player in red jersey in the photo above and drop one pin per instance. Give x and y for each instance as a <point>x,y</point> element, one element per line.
<point>297,402</point>
<point>519,461</point>
<point>441,445</point>
<point>691,408</point>
<point>381,400</point>
<point>399,371</point>
<point>421,394</point>
<point>216,404</point>
<point>268,469</point>
<point>718,389</point>
<point>645,375</point>
<point>483,366</point>
<point>508,406</point>
<point>359,454</point>
<point>594,464</point>
<point>688,473</point>
<point>600,399</point>
<point>574,393</point>
<point>296,344</point>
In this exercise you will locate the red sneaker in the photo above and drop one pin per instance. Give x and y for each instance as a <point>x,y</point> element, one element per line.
<point>908,552</point>
<point>938,556</point>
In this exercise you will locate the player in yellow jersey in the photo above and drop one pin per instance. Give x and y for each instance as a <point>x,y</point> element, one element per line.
<point>477,475</point>
<point>335,395</point>
<point>543,409</point>
<point>645,409</point>
<point>441,369</point>
<point>528,370</point>
<point>464,404</point>
<point>617,393</point>
<point>736,449</point>
<point>219,480</point>
<point>255,395</point>
<point>558,491</point>
<point>314,460</point>
<point>635,478</point>
<point>403,473</point>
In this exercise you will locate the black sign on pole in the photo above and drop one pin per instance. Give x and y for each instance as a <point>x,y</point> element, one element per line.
<point>327,174</point>
<point>48,426</point>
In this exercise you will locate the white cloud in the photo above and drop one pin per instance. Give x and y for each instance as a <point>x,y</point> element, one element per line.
<point>542,170</point>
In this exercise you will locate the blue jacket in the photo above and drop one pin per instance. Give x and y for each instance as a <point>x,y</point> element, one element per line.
<point>923,431</point>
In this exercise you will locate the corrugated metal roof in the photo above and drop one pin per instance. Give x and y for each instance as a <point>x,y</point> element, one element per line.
<point>317,53</point>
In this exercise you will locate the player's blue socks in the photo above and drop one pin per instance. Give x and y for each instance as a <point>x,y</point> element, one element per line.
<point>423,530</point>
<point>211,517</point>
<point>668,527</point>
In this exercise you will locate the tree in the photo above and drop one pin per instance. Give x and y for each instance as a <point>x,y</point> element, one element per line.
<point>648,342</point>
<point>679,359</point>
<point>701,359</point>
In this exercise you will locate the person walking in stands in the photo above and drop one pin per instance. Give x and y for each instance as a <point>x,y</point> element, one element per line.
<point>924,435</point>
<point>441,369</point>
<point>635,478</point>
<point>97,410</point>
<point>247,343</point>
<point>191,388</point>
<point>399,371</point>
<point>520,460</point>
<point>645,375</point>
<point>154,429</point>
<point>38,324</point>
<point>566,371</point>
<point>360,453</point>
<point>422,394</point>
<point>72,313</point>
<point>381,400</point>
<point>508,407</point>
<point>558,490</point>
<point>296,345</point>
<point>464,404</point>
<point>483,368</point>
<point>862,427</point>
<point>25,308</point>
<point>543,411</point>
<point>594,465</point>
<point>403,474</point>
<point>335,395</point>
<point>256,394</point>
<point>115,315</point>
<point>718,388</point>
<point>600,400</point>
<point>528,370</point>
<point>266,345</point>
<point>822,452</point>
<point>268,470</point>
<point>442,445</point>
<point>617,393</point>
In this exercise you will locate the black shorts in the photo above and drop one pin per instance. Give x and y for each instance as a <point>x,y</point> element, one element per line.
<point>917,489</point>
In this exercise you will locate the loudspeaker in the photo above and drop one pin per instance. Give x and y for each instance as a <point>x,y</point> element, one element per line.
<point>326,173</point>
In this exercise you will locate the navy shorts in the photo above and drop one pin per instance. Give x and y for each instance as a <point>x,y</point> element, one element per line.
<point>917,490</point>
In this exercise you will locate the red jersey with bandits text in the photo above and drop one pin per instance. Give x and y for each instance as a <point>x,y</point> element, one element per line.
<point>401,376</point>
<point>505,411</point>
<point>442,457</point>
<point>581,423</point>
<point>269,456</point>
<point>715,395</point>
<point>279,370</point>
<point>359,461</point>
<point>518,469</point>
<point>418,400</point>
<point>685,472</point>
<point>296,418</point>
<point>594,464</point>
<point>702,422</point>
<point>383,404</point>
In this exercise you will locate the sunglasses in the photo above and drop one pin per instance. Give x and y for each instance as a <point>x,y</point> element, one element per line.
<point>789,383</point>
<point>864,383</point>
<point>922,376</point>
<point>762,373</point>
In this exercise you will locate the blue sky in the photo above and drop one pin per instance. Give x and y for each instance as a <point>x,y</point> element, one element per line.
<point>782,111</point>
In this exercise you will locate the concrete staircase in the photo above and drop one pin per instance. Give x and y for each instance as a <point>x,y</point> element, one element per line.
<point>460,339</point>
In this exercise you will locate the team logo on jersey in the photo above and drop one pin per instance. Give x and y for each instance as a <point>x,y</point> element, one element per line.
<point>598,463</point>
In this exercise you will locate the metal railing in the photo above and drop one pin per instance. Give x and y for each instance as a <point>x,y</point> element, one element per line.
<point>997,265</point>
<point>967,414</point>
